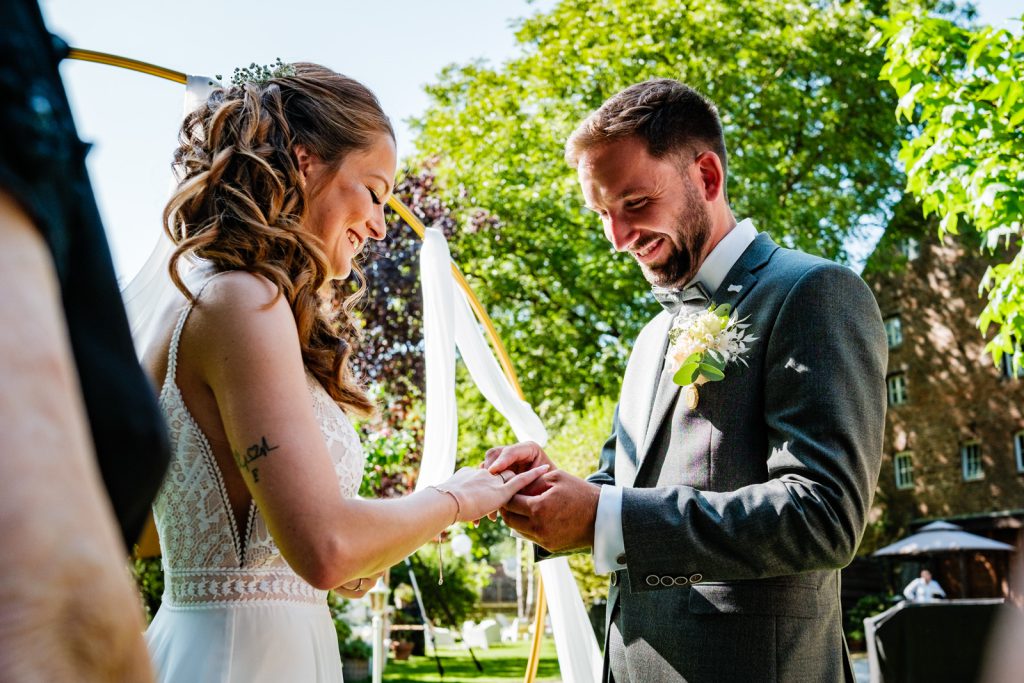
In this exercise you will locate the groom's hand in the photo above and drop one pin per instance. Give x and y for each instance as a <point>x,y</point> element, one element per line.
<point>559,519</point>
<point>519,458</point>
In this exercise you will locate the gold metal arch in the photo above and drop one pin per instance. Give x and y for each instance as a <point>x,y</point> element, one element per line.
<point>417,225</point>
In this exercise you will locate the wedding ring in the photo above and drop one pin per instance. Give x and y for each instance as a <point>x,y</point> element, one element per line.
<point>502,475</point>
<point>359,585</point>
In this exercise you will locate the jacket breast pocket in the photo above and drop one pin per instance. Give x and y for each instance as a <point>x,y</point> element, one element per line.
<point>761,598</point>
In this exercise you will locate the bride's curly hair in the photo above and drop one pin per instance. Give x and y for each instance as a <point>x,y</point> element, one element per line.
<point>241,201</point>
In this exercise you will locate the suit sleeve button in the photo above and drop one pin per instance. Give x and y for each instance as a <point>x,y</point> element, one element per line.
<point>652,580</point>
<point>666,581</point>
<point>615,578</point>
<point>696,578</point>
<point>681,581</point>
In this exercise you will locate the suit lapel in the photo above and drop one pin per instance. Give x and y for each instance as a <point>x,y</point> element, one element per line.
<point>664,399</point>
<point>743,275</point>
<point>734,288</point>
<point>638,387</point>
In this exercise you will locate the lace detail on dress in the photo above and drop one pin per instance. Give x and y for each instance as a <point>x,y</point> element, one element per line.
<point>199,588</point>
<point>341,438</point>
<point>205,560</point>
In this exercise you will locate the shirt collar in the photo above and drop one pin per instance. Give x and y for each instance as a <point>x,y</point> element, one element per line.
<point>725,255</point>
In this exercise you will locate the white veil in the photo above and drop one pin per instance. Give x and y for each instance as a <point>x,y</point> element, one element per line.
<point>151,291</point>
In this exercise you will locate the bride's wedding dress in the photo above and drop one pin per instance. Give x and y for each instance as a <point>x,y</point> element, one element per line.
<point>233,610</point>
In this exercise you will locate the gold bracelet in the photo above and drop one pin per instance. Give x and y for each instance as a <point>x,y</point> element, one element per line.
<point>440,555</point>
<point>458,506</point>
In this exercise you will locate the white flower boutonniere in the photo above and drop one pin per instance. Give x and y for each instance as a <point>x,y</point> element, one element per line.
<point>701,345</point>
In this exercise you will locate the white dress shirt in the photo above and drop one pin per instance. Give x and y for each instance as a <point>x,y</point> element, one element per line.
<point>609,547</point>
<point>919,590</point>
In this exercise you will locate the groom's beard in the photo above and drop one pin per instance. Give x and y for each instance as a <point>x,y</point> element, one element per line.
<point>692,230</point>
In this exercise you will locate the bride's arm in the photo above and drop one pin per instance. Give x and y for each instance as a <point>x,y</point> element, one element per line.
<point>248,353</point>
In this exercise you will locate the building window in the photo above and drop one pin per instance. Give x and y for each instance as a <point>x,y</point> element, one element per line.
<point>904,464</point>
<point>1018,449</point>
<point>970,461</point>
<point>910,248</point>
<point>897,389</point>
<point>894,331</point>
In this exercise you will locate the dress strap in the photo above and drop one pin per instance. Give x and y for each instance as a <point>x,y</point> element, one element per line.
<point>172,352</point>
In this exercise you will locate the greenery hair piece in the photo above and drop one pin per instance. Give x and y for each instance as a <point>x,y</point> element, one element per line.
<point>259,74</point>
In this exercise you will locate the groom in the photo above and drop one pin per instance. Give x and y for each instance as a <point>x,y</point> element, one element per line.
<point>723,512</point>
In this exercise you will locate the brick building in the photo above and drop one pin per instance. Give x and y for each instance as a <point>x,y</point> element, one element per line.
<point>954,438</point>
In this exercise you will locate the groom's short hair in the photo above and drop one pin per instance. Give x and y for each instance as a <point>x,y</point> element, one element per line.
<point>667,115</point>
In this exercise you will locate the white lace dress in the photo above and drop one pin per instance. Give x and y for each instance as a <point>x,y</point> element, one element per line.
<point>233,610</point>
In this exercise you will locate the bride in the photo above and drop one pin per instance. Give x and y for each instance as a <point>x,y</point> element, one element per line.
<point>282,183</point>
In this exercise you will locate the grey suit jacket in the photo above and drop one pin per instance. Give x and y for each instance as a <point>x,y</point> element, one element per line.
<point>738,515</point>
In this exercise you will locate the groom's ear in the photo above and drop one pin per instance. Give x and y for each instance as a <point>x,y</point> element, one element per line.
<point>712,175</point>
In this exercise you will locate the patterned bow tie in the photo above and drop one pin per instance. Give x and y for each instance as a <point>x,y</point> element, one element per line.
<point>674,299</point>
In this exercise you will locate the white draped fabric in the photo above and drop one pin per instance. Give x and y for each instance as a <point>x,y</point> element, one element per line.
<point>447,316</point>
<point>441,431</point>
<point>151,291</point>
<point>448,322</point>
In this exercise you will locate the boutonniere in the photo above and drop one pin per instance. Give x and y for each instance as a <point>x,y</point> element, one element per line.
<point>701,345</point>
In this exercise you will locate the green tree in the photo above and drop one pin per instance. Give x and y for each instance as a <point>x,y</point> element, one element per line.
<point>962,91</point>
<point>458,598</point>
<point>812,149</point>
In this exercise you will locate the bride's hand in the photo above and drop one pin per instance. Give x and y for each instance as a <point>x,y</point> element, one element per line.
<point>480,493</point>
<point>357,588</point>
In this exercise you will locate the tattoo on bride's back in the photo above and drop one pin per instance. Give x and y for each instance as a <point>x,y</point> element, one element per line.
<point>252,454</point>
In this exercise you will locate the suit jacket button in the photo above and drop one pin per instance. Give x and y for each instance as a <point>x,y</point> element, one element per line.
<point>666,581</point>
<point>615,578</point>
<point>620,558</point>
<point>681,581</point>
<point>652,580</point>
<point>696,578</point>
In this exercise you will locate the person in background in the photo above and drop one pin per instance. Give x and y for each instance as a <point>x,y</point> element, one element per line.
<point>924,589</point>
<point>85,447</point>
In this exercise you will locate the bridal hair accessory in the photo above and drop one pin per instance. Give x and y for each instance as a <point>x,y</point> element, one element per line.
<point>701,344</point>
<point>258,74</point>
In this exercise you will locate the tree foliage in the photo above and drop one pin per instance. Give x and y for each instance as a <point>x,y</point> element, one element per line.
<point>390,354</point>
<point>451,603</point>
<point>810,131</point>
<point>962,91</point>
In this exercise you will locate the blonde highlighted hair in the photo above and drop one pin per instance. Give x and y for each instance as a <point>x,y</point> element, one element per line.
<point>241,201</point>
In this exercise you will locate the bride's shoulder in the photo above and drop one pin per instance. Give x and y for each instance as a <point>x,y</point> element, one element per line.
<point>239,287</point>
<point>236,301</point>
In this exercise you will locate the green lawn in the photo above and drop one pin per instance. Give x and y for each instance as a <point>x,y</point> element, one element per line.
<point>501,664</point>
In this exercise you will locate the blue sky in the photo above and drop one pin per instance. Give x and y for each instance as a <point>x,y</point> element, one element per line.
<point>395,48</point>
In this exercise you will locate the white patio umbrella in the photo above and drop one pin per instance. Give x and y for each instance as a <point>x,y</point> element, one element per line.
<point>941,537</point>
